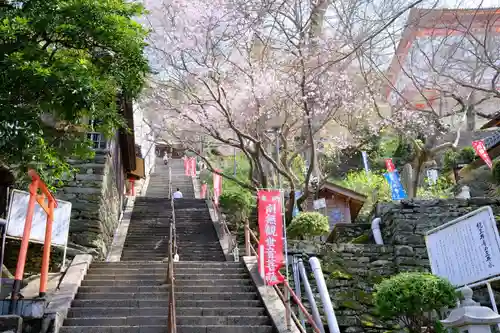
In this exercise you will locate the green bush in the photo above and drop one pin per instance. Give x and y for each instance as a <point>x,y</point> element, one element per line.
<point>374,186</point>
<point>237,203</point>
<point>412,297</point>
<point>443,189</point>
<point>307,225</point>
<point>496,172</point>
<point>450,160</point>
<point>467,155</point>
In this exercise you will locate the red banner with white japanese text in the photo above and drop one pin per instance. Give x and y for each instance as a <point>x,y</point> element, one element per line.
<point>269,206</point>
<point>186,166</point>
<point>203,191</point>
<point>482,152</point>
<point>389,165</point>
<point>192,162</point>
<point>217,187</point>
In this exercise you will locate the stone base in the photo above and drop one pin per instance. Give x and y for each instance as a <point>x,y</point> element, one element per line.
<point>11,324</point>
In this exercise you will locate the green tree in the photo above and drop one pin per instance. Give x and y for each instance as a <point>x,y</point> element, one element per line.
<point>308,225</point>
<point>63,61</point>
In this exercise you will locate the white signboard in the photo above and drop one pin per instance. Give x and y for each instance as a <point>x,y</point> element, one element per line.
<point>320,203</point>
<point>467,249</point>
<point>17,215</point>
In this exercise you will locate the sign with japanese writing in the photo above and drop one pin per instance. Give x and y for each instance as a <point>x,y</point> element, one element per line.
<point>482,152</point>
<point>397,190</point>
<point>389,165</point>
<point>217,186</point>
<point>467,249</point>
<point>271,235</point>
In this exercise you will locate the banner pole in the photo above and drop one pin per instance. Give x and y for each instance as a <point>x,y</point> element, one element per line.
<point>285,243</point>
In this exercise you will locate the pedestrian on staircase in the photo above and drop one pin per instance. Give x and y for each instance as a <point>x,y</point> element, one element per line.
<point>165,158</point>
<point>177,194</point>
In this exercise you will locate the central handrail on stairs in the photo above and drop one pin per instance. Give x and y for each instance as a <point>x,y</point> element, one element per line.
<point>231,241</point>
<point>172,253</point>
<point>250,238</point>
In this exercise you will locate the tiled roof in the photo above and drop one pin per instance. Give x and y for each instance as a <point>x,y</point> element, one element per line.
<point>493,140</point>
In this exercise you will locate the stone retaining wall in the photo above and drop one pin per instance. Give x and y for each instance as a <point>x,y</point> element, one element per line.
<point>96,205</point>
<point>352,270</point>
<point>406,222</point>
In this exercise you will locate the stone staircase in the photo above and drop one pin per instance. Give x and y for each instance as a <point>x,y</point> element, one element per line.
<point>130,296</point>
<point>180,180</point>
<point>196,236</point>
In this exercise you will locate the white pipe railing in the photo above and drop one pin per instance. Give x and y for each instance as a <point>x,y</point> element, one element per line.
<point>377,234</point>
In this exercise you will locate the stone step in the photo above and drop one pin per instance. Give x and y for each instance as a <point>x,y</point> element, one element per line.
<point>163,271</point>
<point>118,321</point>
<point>159,264</point>
<point>160,282</point>
<point>223,320</point>
<point>164,288</point>
<point>143,303</point>
<point>180,311</point>
<point>164,329</point>
<point>163,295</point>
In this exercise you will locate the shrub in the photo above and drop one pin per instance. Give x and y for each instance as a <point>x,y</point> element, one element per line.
<point>237,203</point>
<point>496,172</point>
<point>450,160</point>
<point>467,155</point>
<point>374,186</point>
<point>412,297</point>
<point>308,225</point>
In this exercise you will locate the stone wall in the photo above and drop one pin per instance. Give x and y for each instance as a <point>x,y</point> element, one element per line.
<point>96,204</point>
<point>406,222</point>
<point>352,270</point>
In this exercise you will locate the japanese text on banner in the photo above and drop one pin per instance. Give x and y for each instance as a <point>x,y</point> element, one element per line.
<point>271,234</point>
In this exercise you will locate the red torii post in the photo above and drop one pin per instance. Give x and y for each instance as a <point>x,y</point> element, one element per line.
<point>36,184</point>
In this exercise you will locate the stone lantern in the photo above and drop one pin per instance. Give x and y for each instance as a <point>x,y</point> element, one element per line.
<point>470,316</point>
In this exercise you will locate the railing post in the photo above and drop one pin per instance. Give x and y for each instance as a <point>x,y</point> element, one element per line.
<point>288,311</point>
<point>247,238</point>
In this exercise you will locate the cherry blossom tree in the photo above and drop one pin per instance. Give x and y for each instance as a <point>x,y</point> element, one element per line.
<point>449,69</point>
<point>254,75</point>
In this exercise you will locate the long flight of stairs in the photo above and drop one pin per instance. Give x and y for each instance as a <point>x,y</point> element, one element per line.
<point>130,296</point>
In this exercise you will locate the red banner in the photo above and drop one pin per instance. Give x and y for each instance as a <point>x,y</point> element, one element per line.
<point>217,187</point>
<point>203,191</point>
<point>482,152</point>
<point>389,165</point>
<point>193,166</point>
<point>186,166</point>
<point>271,235</point>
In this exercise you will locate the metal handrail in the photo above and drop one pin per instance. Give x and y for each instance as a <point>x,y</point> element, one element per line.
<point>172,252</point>
<point>250,250</point>
<point>232,244</point>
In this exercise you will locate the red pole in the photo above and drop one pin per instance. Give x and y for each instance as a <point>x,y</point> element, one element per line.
<point>132,187</point>
<point>44,274</point>
<point>21,260</point>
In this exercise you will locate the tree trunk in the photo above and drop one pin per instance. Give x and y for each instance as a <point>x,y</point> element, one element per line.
<point>418,162</point>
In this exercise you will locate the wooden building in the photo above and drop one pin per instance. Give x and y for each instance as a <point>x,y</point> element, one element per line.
<point>342,204</point>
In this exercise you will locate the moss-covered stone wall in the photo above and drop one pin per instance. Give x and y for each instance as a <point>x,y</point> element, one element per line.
<point>352,270</point>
